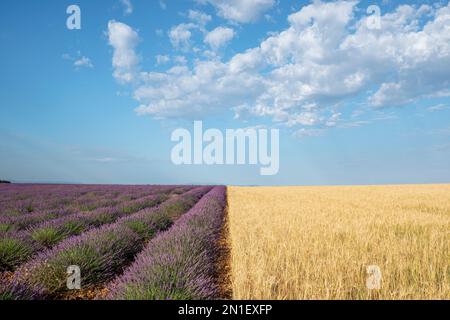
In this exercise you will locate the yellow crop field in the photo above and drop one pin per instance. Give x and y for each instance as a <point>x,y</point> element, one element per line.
<point>317,242</point>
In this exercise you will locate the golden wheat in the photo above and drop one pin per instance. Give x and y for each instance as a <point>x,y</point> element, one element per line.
<point>317,242</point>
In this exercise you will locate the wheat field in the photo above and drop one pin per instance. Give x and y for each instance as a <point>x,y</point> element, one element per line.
<point>317,242</point>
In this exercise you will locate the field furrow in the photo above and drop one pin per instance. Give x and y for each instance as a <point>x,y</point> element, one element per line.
<point>181,262</point>
<point>101,253</point>
<point>129,202</point>
<point>18,247</point>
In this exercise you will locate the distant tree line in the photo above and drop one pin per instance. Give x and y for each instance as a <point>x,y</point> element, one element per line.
<point>4,181</point>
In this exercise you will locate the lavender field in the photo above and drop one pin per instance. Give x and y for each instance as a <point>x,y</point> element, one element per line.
<point>129,242</point>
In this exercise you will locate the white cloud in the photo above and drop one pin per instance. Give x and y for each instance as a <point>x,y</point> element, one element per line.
<point>306,133</point>
<point>219,37</point>
<point>83,62</point>
<point>354,124</point>
<point>162,4</point>
<point>438,107</point>
<point>182,92</point>
<point>79,61</point>
<point>127,7</point>
<point>241,11</point>
<point>106,160</point>
<point>411,61</point>
<point>199,17</point>
<point>180,35</point>
<point>300,76</point>
<point>180,59</point>
<point>162,59</point>
<point>124,40</point>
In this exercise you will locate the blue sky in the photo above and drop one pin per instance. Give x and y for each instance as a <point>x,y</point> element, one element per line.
<point>354,104</point>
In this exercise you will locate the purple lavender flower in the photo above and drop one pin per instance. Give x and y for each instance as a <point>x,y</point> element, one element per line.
<point>11,290</point>
<point>18,247</point>
<point>101,253</point>
<point>178,264</point>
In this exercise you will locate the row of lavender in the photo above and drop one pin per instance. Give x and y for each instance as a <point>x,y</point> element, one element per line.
<point>23,221</point>
<point>101,253</point>
<point>129,198</point>
<point>180,264</point>
<point>17,246</point>
<point>23,199</point>
<point>22,237</point>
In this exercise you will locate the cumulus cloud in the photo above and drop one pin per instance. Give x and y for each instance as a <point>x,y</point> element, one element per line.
<point>199,17</point>
<point>180,35</point>
<point>298,77</point>
<point>83,62</point>
<point>219,37</point>
<point>180,59</point>
<point>182,92</point>
<point>127,7</point>
<point>79,61</point>
<point>125,61</point>
<point>241,11</point>
<point>162,59</point>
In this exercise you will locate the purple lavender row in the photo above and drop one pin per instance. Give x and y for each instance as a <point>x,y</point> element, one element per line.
<point>40,200</point>
<point>11,224</point>
<point>10,291</point>
<point>52,189</point>
<point>20,222</point>
<point>8,224</point>
<point>14,206</point>
<point>28,242</point>
<point>18,247</point>
<point>25,198</point>
<point>178,264</point>
<point>28,198</point>
<point>100,253</point>
<point>23,221</point>
<point>85,203</point>
<point>20,190</point>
